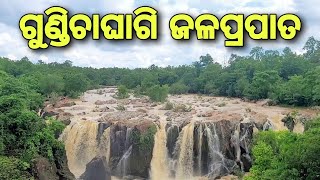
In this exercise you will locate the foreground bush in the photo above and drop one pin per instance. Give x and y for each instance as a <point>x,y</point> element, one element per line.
<point>13,168</point>
<point>287,155</point>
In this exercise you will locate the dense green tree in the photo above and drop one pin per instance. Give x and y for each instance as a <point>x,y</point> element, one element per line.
<point>262,84</point>
<point>75,84</point>
<point>178,88</point>
<point>122,92</point>
<point>294,92</point>
<point>158,93</point>
<point>51,83</point>
<point>286,155</point>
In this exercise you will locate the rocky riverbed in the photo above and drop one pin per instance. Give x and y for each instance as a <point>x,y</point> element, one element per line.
<point>188,137</point>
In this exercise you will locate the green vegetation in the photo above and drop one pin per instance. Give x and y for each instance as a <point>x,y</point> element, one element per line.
<point>181,108</point>
<point>158,93</point>
<point>144,140</point>
<point>168,106</point>
<point>120,107</point>
<point>122,92</point>
<point>178,88</point>
<point>282,76</point>
<point>287,155</point>
<point>13,168</point>
<point>24,134</point>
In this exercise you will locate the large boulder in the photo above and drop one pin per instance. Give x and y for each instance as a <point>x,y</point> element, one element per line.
<point>64,102</point>
<point>61,164</point>
<point>65,118</point>
<point>42,169</point>
<point>97,169</point>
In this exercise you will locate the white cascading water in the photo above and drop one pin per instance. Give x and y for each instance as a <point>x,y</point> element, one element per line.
<point>160,162</point>
<point>217,160</point>
<point>184,169</point>
<point>105,144</point>
<point>82,146</point>
<point>123,163</point>
<point>236,142</point>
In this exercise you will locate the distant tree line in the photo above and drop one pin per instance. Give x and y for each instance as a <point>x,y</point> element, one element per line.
<point>283,76</point>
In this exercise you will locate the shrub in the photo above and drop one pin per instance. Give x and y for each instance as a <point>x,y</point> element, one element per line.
<point>168,106</point>
<point>120,107</point>
<point>53,98</point>
<point>286,155</point>
<point>137,92</point>
<point>178,88</point>
<point>100,92</point>
<point>122,92</point>
<point>182,108</point>
<point>158,93</point>
<point>221,104</point>
<point>13,168</point>
<point>144,140</point>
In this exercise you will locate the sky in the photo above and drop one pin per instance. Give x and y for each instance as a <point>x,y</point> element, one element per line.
<point>163,52</point>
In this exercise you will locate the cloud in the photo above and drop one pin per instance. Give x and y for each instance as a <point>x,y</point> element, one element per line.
<point>165,51</point>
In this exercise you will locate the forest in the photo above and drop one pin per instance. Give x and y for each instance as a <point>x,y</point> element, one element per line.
<point>284,77</point>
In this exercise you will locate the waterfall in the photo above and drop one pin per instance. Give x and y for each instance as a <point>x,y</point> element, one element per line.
<point>199,162</point>
<point>268,126</point>
<point>187,154</point>
<point>123,163</point>
<point>217,160</point>
<point>236,144</point>
<point>160,162</point>
<point>105,145</point>
<point>128,140</point>
<point>184,168</point>
<point>81,145</point>
<point>122,166</point>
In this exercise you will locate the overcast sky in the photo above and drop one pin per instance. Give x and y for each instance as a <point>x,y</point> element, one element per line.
<point>138,53</point>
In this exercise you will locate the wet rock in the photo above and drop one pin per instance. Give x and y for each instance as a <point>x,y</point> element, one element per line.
<point>65,118</point>
<point>172,136</point>
<point>42,169</point>
<point>82,114</point>
<point>132,178</point>
<point>100,102</point>
<point>64,103</point>
<point>142,110</point>
<point>267,126</point>
<point>122,116</point>
<point>104,109</point>
<point>97,169</point>
<point>225,116</point>
<point>259,119</point>
<point>138,105</point>
<point>61,163</point>
<point>289,122</point>
<point>153,105</point>
<point>155,117</point>
<point>315,108</point>
<point>204,114</point>
<point>205,105</point>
